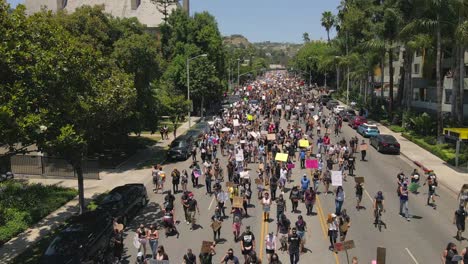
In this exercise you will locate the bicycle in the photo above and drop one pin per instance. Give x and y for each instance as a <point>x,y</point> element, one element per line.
<point>378,219</point>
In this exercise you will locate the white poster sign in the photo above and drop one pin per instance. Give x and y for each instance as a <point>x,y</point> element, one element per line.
<point>288,107</point>
<point>263,98</point>
<point>337,178</point>
<point>310,105</point>
<point>244,175</point>
<point>279,107</point>
<point>235,122</point>
<point>316,117</point>
<point>240,155</point>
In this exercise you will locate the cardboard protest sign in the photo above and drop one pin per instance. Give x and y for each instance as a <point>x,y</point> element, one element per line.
<point>261,166</point>
<point>304,143</point>
<point>359,179</point>
<point>258,181</point>
<point>216,225</point>
<point>271,137</point>
<point>281,157</point>
<point>230,184</point>
<point>337,178</point>
<point>237,202</point>
<point>312,164</point>
<point>206,247</point>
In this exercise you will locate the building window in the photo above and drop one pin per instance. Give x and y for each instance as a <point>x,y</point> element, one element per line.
<point>416,68</point>
<point>135,4</point>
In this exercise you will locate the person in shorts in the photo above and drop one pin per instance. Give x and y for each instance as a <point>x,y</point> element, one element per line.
<point>247,240</point>
<point>459,220</point>
<point>270,245</point>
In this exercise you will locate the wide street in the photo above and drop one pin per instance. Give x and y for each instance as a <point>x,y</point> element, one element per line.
<point>419,241</point>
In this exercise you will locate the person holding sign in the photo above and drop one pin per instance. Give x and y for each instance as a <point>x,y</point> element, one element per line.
<point>216,223</point>
<point>344,222</point>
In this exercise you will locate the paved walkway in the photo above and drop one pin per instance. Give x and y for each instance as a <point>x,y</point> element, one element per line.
<point>128,172</point>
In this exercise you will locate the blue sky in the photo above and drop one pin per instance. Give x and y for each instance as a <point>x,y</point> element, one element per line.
<point>262,20</point>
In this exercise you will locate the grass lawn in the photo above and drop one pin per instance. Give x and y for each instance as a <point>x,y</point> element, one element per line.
<point>23,204</point>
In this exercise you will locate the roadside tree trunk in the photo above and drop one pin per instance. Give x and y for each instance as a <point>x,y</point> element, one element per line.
<point>382,79</point>
<point>78,167</point>
<point>391,72</point>
<point>460,101</point>
<point>440,88</point>
<point>456,83</point>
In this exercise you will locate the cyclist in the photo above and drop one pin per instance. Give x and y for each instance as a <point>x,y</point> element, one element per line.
<point>378,205</point>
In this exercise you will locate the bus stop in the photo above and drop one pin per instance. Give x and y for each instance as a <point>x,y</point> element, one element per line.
<point>459,135</point>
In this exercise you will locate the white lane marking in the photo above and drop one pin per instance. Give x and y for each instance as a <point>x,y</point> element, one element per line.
<point>212,200</point>
<point>411,255</point>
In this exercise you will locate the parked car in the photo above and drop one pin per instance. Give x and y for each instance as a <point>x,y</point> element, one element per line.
<point>347,114</point>
<point>180,148</point>
<point>331,104</point>
<point>368,130</point>
<point>339,108</point>
<point>124,201</point>
<point>357,121</point>
<point>86,239</point>
<point>385,143</point>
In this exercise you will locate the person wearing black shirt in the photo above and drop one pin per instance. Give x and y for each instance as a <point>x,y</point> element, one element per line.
<point>175,181</point>
<point>207,257</point>
<point>247,242</point>
<point>273,187</point>
<point>294,242</point>
<point>459,220</point>
<point>280,207</point>
<point>169,201</point>
<point>190,258</point>
<point>294,195</point>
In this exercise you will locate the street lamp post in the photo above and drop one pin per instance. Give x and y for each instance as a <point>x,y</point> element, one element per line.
<point>188,86</point>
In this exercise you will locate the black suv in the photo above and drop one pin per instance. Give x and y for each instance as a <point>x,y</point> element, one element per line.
<point>124,201</point>
<point>86,239</point>
<point>180,148</point>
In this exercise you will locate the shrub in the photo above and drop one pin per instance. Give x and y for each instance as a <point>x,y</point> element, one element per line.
<point>23,204</point>
<point>397,129</point>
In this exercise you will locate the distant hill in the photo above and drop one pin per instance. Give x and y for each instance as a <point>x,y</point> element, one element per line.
<point>278,52</point>
<point>237,41</point>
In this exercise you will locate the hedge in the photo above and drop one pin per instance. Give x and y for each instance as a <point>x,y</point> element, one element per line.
<point>443,151</point>
<point>23,204</point>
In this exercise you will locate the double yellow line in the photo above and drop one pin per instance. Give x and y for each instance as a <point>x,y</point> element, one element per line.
<point>323,224</point>
<point>263,232</point>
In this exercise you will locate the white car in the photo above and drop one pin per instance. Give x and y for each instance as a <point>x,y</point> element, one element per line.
<point>338,109</point>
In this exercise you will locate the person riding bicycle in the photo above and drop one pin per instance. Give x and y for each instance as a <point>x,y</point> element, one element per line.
<point>378,205</point>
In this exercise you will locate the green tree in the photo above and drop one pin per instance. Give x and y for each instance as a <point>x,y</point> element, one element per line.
<point>305,37</point>
<point>165,7</point>
<point>328,21</point>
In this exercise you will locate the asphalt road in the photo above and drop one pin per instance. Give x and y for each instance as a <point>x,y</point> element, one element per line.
<point>419,241</point>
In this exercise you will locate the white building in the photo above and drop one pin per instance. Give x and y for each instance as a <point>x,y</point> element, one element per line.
<point>144,10</point>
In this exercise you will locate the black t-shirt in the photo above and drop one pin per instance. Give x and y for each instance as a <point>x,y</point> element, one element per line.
<point>280,205</point>
<point>301,225</point>
<point>359,189</point>
<point>206,258</point>
<point>284,226</point>
<point>460,216</point>
<point>190,258</point>
<point>192,205</point>
<point>247,239</point>
<point>294,242</point>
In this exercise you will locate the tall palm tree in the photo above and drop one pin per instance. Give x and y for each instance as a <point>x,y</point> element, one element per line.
<point>461,34</point>
<point>328,21</point>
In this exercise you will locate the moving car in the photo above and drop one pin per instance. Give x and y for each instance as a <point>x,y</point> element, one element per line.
<point>357,121</point>
<point>86,239</point>
<point>180,148</point>
<point>339,108</point>
<point>124,201</point>
<point>385,143</point>
<point>368,130</point>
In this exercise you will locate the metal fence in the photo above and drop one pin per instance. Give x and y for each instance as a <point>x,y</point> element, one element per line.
<point>51,167</point>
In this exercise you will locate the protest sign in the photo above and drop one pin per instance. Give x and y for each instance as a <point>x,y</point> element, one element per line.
<point>304,143</point>
<point>240,155</point>
<point>281,157</point>
<point>235,122</point>
<point>237,202</point>
<point>271,137</point>
<point>337,178</point>
<point>312,164</point>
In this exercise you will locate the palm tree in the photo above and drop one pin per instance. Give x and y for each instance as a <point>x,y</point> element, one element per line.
<point>461,37</point>
<point>328,21</point>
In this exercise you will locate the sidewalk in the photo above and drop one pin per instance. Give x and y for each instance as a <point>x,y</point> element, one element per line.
<point>128,172</point>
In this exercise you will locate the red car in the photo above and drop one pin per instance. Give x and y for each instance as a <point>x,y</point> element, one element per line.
<point>357,121</point>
